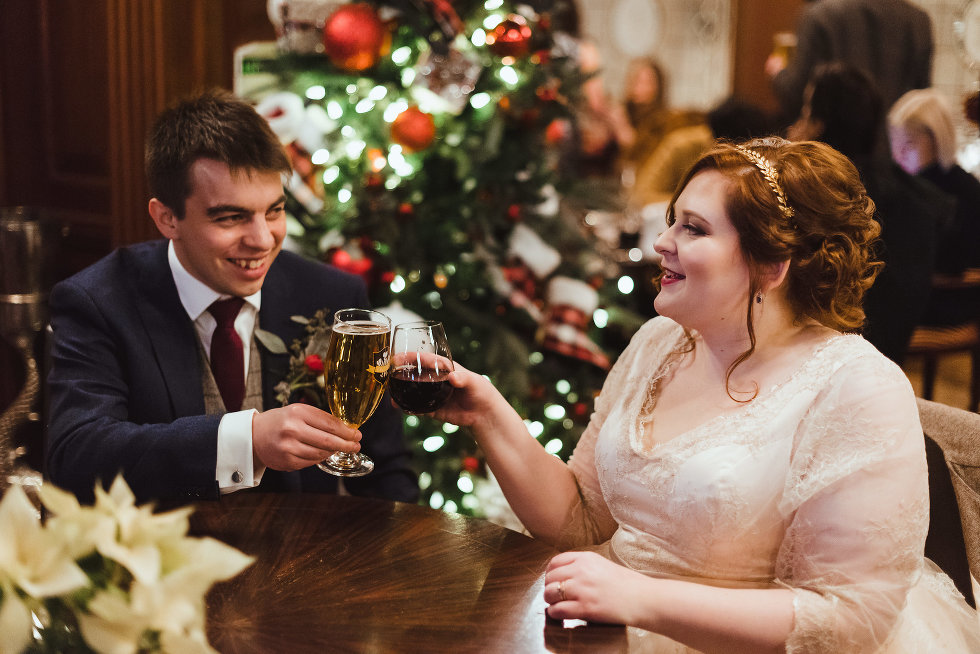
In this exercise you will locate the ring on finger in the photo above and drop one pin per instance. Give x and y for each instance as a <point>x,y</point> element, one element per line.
<point>561,591</point>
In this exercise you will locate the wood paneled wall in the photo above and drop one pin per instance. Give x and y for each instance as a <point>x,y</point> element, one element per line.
<point>756,22</point>
<point>80,82</point>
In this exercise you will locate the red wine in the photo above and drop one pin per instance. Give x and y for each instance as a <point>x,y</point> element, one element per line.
<point>419,391</point>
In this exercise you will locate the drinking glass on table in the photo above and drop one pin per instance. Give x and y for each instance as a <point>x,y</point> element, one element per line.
<point>421,363</point>
<point>355,371</point>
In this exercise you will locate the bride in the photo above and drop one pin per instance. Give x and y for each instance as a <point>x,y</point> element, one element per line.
<point>753,478</point>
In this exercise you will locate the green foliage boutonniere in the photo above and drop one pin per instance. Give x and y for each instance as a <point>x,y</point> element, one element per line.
<point>304,382</point>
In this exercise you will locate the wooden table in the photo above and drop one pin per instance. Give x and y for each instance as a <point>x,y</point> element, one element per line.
<point>347,574</point>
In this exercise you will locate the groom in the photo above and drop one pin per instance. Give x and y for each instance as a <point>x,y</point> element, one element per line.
<point>151,378</point>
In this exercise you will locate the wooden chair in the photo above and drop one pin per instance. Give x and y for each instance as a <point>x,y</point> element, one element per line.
<point>931,343</point>
<point>953,437</point>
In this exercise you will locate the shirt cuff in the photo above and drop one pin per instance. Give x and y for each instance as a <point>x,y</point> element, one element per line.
<point>235,468</point>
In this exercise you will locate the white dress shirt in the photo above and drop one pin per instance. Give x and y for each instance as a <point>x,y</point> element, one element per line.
<point>235,467</point>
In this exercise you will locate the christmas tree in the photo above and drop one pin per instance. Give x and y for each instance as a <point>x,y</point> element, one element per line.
<point>427,142</point>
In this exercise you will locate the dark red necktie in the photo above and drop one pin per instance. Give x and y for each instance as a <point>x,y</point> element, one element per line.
<point>227,355</point>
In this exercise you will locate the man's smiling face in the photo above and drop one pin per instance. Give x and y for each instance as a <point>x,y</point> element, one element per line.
<point>233,227</point>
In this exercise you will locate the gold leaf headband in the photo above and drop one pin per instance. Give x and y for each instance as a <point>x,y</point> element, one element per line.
<point>769,172</point>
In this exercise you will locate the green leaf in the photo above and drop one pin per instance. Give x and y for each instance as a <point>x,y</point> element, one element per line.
<point>270,341</point>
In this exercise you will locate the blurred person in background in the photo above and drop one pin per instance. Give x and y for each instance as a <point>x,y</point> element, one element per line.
<point>602,128</point>
<point>666,140</point>
<point>842,107</point>
<point>735,119</point>
<point>890,41</point>
<point>923,142</point>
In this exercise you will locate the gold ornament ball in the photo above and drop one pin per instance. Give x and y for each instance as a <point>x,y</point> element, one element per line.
<point>413,129</point>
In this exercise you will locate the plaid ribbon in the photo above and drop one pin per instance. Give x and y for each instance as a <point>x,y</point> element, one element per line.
<point>446,17</point>
<point>524,289</point>
<point>564,333</point>
<point>522,278</point>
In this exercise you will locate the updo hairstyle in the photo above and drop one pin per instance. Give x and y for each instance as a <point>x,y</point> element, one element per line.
<point>828,240</point>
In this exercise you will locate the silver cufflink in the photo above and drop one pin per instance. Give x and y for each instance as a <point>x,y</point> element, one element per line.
<point>237,476</point>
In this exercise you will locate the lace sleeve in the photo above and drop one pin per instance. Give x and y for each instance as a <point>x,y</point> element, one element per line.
<point>856,503</point>
<point>590,521</point>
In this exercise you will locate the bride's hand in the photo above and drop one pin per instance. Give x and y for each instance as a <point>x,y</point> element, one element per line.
<point>474,399</point>
<point>588,586</point>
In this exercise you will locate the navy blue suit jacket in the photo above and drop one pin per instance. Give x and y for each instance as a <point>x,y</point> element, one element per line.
<point>125,383</point>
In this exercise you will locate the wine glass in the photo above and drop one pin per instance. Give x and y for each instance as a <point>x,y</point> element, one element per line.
<point>355,371</point>
<point>421,363</point>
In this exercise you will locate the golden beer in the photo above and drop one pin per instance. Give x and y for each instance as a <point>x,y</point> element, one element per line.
<point>356,369</point>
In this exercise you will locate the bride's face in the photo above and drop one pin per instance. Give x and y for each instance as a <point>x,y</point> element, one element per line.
<point>706,278</point>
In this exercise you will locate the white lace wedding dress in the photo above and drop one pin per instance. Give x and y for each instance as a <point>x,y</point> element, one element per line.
<point>818,485</point>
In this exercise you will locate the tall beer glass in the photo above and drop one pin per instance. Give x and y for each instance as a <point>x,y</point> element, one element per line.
<point>355,371</point>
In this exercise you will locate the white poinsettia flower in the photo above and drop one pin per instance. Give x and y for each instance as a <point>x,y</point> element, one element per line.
<point>141,523</point>
<point>80,527</point>
<point>200,562</point>
<point>58,501</point>
<point>15,621</point>
<point>140,534</point>
<point>32,558</point>
<point>142,561</point>
<point>111,626</point>
<point>171,572</point>
<point>193,643</point>
<point>174,606</point>
<point>170,607</point>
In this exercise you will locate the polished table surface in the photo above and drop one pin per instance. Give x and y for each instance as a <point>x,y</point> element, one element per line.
<point>348,574</point>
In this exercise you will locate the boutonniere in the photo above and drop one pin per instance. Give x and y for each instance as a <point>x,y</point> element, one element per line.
<point>304,381</point>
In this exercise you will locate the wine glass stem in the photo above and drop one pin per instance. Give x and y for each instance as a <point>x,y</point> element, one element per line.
<point>346,460</point>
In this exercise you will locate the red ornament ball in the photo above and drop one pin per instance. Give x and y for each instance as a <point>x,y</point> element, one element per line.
<point>471,463</point>
<point>343,260</point>
<point>547,93</point>
<point>413,129</point>
<point>510,38</point>
<point>557,131</point>
<point>353,36</point>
